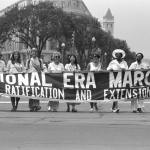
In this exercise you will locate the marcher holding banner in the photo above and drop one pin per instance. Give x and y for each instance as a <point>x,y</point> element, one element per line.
<point>118,63</point>
<point>55,67</point>
<point>73,66</point>
<point>15,65</point>
<point>137,104</point>
<point>34,64</point>
<point>95,65</point>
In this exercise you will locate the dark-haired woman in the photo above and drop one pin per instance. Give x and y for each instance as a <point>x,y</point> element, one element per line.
<point>15,65</point>
<point>95,65</point>
<point>72,66</point>
<point>55,67</point>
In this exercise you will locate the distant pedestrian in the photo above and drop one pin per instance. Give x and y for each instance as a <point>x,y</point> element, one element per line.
<point>118,63</point>
<point>137,104</point>
<point>15,65</point>
<point>94,65</point>
<point>55,67</point>
<point>72,66</point>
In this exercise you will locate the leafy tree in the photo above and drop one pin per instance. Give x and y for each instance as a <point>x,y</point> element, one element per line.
<point>34,25</point>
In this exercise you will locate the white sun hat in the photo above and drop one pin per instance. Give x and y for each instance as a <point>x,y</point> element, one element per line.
<point>118,51</point>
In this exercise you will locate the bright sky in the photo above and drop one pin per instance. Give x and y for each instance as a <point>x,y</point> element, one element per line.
<point>132,20</point>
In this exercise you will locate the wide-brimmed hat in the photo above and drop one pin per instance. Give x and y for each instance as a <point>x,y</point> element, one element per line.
<point>118,51</point>
<point>140,54</point>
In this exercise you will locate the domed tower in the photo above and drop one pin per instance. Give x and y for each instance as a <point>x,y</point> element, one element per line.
<point>108,22</point>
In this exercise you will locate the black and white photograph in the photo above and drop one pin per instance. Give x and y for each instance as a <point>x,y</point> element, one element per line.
<point>74,75</point>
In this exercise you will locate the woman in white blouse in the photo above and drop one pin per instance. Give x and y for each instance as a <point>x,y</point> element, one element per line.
<point>95,65</point>
<point>137,104</point>
<point>72,66</point>
<point>55,67</point>
<point>118,63</point>
<point>15,65</point>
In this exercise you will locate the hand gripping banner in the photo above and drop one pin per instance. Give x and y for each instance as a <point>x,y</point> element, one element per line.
<point>78,86</point>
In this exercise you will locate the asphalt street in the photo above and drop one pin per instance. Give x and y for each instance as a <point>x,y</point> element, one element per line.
<point>24,130</point>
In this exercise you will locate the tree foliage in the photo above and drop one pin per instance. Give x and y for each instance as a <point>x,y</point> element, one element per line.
<point>35,24</point>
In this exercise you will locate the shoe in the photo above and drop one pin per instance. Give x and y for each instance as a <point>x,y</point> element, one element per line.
<point>68,110</point>
<point>13,109</point>
<point>96,109</point>
<point>134,111</point>
<point>115,110</point>
<point>38,108</point>
<point>31,110</point>
<point>74,110</point>
<point>140,110</point>
<point>91,110</point>
<point>54,110</point>
<point>49,108</point>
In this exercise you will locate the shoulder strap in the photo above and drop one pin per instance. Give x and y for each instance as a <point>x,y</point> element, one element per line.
<point>28,63</point>
<point>40,62</point>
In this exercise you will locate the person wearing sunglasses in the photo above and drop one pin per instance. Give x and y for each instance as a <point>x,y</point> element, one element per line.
<point>94,65</point>
<point>55,67</point>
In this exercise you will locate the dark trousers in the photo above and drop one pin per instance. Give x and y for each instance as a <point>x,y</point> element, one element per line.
<point>94,105</point>
<point>14,102</point>
<point>115,105</point>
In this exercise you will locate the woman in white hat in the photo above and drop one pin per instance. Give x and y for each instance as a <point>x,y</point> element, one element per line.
<point>137,104</point>
<point>118,63</point>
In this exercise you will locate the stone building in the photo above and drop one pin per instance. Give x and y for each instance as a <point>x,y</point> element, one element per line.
<point>70,6</point>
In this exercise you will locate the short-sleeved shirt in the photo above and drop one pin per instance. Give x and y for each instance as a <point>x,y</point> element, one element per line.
<point>15,68</point>
<point>136,65</point>
<point>70,67</point>
<point>94,67</point>
<point>56,68</point>
<point>115,65</point>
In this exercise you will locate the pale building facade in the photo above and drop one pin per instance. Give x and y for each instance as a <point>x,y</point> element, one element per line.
<point>70,6</point>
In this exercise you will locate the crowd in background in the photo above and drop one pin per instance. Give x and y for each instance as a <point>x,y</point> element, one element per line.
<point>35,64</point>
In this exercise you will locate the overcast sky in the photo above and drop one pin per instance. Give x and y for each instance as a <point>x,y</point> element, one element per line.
<point>132,20</point>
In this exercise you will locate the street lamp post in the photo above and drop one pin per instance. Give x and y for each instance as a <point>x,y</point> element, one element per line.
<point>62,50</point>
<point>105,60</point>
<point>93,41</point>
